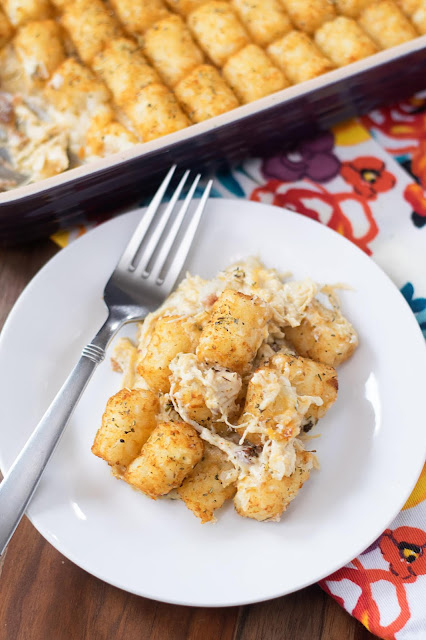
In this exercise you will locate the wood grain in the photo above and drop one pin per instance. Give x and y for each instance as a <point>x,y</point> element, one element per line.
<point>44,596</point>
<point>17,267</point>
<point>308,614</point>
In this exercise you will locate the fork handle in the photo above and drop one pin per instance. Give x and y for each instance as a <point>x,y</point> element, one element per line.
<point>19,484</point>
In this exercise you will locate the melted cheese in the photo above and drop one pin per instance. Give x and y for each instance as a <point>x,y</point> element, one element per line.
<point>37,148</point>
<point>218,386</point>
<point>286,424</point>
<point>288,301</point>
<point>277,457</point>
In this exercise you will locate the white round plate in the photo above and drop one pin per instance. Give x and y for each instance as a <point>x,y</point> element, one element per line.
<point>159,549</point>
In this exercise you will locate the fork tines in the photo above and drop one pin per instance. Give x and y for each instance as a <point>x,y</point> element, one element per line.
<point>160,244</point>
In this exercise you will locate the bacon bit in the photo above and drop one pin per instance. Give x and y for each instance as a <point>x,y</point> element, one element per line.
<point>210,300</point>
<point>7,113</point>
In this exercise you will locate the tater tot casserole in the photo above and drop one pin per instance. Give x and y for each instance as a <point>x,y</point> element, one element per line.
<point>222,388</point>
<point>83,79</point>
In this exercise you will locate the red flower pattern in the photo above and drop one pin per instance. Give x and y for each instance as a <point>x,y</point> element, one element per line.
<point>366,609</point>
<point>405,550</point>
<point>307,200</point>
<point>368,176</point>
<point>402,122</point>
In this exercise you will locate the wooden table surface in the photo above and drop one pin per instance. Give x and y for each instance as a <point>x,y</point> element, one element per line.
<point>44,596</point>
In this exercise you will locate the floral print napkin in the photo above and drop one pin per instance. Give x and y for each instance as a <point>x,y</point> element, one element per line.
<point>366,179</point>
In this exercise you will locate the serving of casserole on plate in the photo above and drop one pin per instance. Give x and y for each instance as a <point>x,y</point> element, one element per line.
<point>227,378</point>
<point>85,79</point>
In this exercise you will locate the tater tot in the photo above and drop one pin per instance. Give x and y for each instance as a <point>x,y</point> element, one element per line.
<point>266,500</point>
<point>351,8</point>
<point>309,378</point>
<point>194,403</point>
<point>184,7</point>
<point>203,393</point>
<point>218,30</point>
<point>127,423</point>
<point>155,113</point>
<point>73,87</point>
<point>265,20</point>
<point>6,29</point>
<point>309,15</point>
<point>343,41</point>
<point>138,15</point>
<point>90,26</point>
<point>20,12</point>
<point>124,69</point>
<point>39,47</point>
<point>409,6</point>
<point>234,332</point>
<point>252,75</point>
<point>79,99</point>
<point>386,24</point>
<point>204,490</point>
<point>171,49</point>
<point>419,18</point>
<point>204,94</point>
<point>298,56</point>
<point>272,405</point>
<point>169,455</point>
<point>323,336</point>
<point>106,138</point>
<point>171,335</point>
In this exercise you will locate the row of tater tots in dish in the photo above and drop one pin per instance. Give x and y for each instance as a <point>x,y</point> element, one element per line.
<point>93,78</point>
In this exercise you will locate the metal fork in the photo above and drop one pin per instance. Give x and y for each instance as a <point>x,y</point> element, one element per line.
<point>143,278</point>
